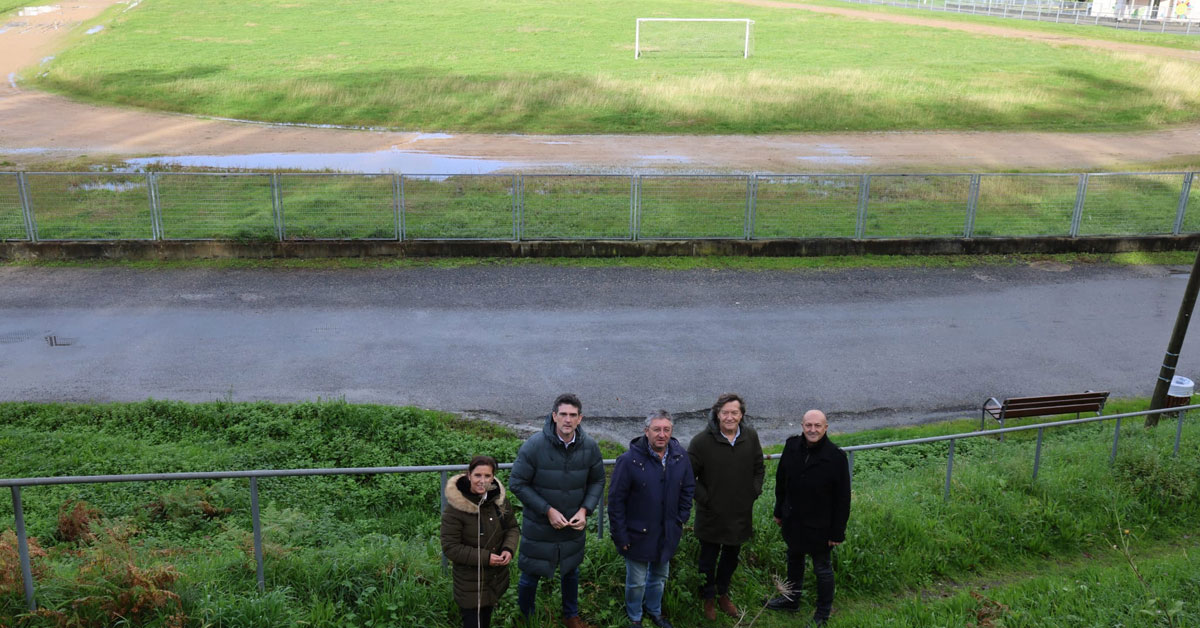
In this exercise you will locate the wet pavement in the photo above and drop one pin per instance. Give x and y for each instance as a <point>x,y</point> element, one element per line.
<point>871,347</point>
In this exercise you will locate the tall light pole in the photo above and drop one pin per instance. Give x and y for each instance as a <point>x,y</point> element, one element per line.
<point>1167,371</point>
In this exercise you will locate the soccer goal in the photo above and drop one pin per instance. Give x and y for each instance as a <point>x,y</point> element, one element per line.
<point>693,36</point>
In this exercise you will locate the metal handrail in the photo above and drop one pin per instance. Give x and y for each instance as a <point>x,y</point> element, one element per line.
<point>23,547</point>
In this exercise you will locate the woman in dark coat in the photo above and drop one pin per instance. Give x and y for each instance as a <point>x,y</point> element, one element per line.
<point>727,459</point>
<point>479,537</point>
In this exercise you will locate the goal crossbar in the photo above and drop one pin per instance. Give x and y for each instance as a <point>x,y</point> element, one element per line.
<point>637,35</point>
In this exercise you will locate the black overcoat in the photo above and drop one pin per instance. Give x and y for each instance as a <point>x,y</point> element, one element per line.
<point>812,494</point>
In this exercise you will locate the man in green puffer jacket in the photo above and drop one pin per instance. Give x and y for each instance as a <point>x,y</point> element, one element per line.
<point>559,478</point>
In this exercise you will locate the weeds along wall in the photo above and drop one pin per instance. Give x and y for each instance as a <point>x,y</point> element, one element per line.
<point>362,550</point>
<point>283,207</point>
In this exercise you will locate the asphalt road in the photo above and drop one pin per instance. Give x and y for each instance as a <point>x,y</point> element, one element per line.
<point>871,347</point>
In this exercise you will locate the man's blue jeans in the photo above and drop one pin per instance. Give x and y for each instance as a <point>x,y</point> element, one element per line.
<point>527,586</point>
<point>644,584</point>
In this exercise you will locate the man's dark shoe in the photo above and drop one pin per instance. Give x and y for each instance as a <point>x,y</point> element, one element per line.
<point>710,609</point>
<point>659,620</point>
<point>781,603</point>
<point>727,607</point>
<point>818,622</point>
<point>635,624</point>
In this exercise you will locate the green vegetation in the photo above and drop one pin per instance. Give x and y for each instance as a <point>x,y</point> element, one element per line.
<point>242,206</point>
<point>361,551</point>
<point>523,65</point>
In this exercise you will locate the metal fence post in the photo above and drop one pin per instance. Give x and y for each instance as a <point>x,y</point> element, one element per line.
<point>23,549</point>
<point>864,193</point>
<point>520,227</point>
<point>26,207</point>
<point>850,463</point>
<point>1184,193</point>
<point>1116,437</point>
<point>949,471</point>
<point>256,525</point>
<point>1178,434</point>
<point>751,188</point>
<point>972,204</point>
<point>277,206</point>
<point>516,212</point>
<point>398,204</point>
<point>156,227</point>
<point>637,206</point>
<point>1080,194</point>
<point>1037,453</point>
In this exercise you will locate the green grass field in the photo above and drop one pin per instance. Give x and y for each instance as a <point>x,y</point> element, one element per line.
<point>362,551</point>
<point>537,67</point>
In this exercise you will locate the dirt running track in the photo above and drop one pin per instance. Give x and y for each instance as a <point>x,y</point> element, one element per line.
<point>36,125</point>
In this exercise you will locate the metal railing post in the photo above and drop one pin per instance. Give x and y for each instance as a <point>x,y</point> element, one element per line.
<point>277,206</point>
<point>398,205</point>
<point>442,492</point>
<point>23,550</point>
<point>256,525</point>
<point>1077,214</point>
<point>26,207</point>
<point>972,204</point>
<point>850,463</point>
<point>1184,194</point>
<point>949,472</point>
<point>1116,438</point>
<point>1037,453</point>
<point>1178,434</point>
<point>864,193</point>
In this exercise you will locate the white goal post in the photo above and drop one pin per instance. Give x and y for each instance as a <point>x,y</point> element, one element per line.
<point>746,31</point>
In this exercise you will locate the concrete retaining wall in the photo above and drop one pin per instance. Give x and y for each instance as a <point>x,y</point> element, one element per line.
<point>184,250</point>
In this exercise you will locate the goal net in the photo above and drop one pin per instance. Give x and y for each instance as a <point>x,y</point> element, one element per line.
<point>693,37</point>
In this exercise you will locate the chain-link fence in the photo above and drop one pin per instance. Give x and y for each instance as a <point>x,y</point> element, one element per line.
<point>512,207</point>
<point>1168,16</point>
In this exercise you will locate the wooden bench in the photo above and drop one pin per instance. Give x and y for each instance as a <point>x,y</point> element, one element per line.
<point>1045,405</point>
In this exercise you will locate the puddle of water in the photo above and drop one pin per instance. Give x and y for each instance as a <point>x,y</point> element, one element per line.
<point>398,161</point>
<point>47,59</point>
<point>675,158</point>
<point>95,29</point>
<point>433,136</point>
<point>846,160</point>
<point>31,11</point>
<point>566,143</point>
<point>834,154</point>
<point>109,186</point>
<point>12,80</point>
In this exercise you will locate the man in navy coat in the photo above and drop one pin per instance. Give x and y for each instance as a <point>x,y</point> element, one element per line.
<point>649,500</point>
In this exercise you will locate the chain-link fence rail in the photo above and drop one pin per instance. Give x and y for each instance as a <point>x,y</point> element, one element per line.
<point>57,206</point>
<point>17,484</point>
<point>1169,16</point>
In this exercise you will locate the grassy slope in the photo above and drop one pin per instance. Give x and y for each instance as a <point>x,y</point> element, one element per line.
<point>342,551</point>
<point>531,67</point>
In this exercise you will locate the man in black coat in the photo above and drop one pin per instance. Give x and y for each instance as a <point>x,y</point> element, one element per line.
<point>812,506</point>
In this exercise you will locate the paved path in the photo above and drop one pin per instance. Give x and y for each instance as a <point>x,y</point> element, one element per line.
<point>873,347</point>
